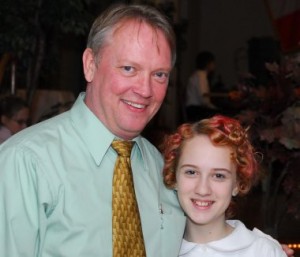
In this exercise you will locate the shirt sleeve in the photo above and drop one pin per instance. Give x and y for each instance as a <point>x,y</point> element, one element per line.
<point>268,245</point>
<point>23,208</point>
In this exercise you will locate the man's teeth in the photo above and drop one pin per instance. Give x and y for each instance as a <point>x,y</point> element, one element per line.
<point>139,106</point>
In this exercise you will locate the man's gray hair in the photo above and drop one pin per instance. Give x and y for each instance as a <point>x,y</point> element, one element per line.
<point>106,22</point>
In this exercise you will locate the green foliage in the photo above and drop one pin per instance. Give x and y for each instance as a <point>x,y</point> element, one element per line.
<point>31,31</point>
<point>21,22</point>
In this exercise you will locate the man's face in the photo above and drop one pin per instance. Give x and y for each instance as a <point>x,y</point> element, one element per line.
<point>127,86</point>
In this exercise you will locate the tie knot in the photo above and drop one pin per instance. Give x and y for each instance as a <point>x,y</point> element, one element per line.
<point>123,148</point>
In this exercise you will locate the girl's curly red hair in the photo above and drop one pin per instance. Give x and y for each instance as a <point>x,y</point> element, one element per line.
<point>222,131</point>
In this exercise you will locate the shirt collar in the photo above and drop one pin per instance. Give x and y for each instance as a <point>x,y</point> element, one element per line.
<point>94,134</point>
<point>240,234</point>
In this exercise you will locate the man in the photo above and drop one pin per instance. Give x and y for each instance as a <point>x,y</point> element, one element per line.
<point>56,177</point>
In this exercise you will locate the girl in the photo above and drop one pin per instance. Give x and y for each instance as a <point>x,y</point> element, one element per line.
<point>209,163</point>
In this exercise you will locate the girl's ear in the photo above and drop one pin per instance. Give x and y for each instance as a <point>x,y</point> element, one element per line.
<point>235,191</point>
<point>89,64</point>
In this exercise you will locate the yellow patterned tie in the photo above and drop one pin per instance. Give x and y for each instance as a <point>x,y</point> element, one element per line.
<point>127,230</point>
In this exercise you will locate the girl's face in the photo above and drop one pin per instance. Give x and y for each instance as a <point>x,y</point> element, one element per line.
<point>206,180</point>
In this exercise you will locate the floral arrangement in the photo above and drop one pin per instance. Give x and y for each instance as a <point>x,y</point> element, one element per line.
<point>273,112</point>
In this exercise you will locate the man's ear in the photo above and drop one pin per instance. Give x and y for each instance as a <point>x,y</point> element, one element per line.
<point>89,64</point>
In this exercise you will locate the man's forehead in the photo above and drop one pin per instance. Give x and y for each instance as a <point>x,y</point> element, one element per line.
<point>133,26</point>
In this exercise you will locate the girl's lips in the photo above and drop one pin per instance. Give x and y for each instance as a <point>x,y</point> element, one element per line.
<point>202,204</point>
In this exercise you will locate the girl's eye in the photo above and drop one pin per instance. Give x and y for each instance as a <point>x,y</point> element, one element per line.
<point>190,172</point>
<point>219,176</point>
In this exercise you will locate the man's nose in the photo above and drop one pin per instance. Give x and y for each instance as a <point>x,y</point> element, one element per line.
<point>144,86</point>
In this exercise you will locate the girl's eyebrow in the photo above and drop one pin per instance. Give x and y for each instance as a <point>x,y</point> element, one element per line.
<point>196,167</point>
<point>223,169</point>
<point>188,165</point>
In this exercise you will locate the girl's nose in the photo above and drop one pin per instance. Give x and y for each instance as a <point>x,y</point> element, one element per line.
<point>203,186</point>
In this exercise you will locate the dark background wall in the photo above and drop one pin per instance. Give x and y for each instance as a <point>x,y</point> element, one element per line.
<point>223,27</point>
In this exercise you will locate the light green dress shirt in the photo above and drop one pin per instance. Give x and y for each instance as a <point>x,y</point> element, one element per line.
<point>56,188</point>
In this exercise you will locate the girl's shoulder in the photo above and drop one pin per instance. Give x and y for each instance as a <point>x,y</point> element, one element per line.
<point>266,244</point>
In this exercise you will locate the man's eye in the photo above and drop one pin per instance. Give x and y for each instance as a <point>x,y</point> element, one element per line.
<point>161,74</point>
<point>128,68</point>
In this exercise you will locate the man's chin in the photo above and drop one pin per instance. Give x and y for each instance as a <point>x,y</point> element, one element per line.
<point>129,133</point>
<point>133,126</point>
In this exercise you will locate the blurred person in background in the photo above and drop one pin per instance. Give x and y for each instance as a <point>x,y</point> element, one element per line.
<point>14,116</point>
<point>198,93</point>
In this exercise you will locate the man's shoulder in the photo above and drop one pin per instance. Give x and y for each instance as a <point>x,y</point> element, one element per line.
<point>41,133</point>
<point>150,149</point>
